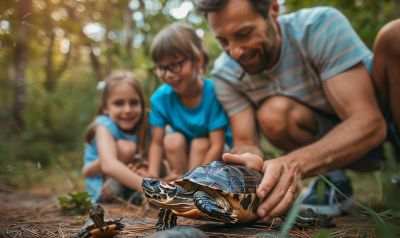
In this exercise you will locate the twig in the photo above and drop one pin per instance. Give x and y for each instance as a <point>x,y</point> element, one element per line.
<point>60,232</point>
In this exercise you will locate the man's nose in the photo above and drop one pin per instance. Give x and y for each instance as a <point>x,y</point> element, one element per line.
<point>235,51</point>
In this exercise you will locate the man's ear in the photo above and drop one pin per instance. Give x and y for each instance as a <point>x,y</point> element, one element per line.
<point>274,9</point>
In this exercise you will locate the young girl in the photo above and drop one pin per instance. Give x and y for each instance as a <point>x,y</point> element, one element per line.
<point>116,139</point>
<point>188,123</point>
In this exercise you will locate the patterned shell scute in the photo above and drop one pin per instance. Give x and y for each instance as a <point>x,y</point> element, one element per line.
<point>227,177</point>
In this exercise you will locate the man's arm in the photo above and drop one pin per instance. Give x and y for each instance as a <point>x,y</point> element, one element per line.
<point>362,129</point>
<point>246,146</point>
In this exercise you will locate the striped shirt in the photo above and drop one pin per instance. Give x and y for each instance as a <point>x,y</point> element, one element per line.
<point>317,44</point>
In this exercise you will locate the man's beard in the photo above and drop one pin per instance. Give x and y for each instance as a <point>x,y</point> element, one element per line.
<point>267,54</point>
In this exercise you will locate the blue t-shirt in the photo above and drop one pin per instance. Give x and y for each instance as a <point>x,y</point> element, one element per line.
<point>94,183</point>
<point>192,122</point>
<point>317,44</point>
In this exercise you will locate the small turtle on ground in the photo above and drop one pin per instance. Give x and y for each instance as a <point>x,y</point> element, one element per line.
<point>216,191</point>
<point>97,227</point>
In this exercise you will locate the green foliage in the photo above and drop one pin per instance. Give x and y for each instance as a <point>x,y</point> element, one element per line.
<point>367,17</point>
<point>383,225</point>
<point>291,217</point>
<point>389,177</point>
<point>76,203</point>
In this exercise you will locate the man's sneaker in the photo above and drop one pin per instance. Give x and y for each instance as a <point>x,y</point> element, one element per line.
<point>324,199</point>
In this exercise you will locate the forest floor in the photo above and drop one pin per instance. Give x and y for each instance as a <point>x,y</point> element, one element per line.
<point>29,208</point>
<point>36,213</point>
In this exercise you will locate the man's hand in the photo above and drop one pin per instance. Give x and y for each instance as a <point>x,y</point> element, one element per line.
<point>279,187</point>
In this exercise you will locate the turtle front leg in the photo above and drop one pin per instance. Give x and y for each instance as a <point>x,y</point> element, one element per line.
<point>209,206</point>
<point>166,219</point>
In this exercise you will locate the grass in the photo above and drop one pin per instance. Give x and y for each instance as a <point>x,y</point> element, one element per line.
<point>376,193</point>
<point>63,175</point>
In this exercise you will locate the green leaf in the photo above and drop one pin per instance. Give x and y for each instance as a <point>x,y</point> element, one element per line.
<point>75,203</point>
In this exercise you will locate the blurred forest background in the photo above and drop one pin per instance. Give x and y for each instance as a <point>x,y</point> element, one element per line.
<point>53,53</point>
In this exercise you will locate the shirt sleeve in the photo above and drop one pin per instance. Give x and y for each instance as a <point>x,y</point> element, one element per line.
<point>231,99</point>
<point>226,73</point>
<point>108,123</point>
<point>334,46</point>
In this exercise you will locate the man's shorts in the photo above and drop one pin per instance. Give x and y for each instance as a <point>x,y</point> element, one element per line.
<point>373,159</point>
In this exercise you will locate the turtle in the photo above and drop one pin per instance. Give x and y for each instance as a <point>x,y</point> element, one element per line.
<point>217,191</point>
<point>97,227</point>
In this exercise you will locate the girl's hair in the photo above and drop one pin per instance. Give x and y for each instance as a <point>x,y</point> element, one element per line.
<point>176,40</point>
<point>142,127</point>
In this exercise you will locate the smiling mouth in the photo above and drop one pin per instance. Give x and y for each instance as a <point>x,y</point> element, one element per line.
<point>247,58</point>
<point>174,83</point>
<point>128,119</point>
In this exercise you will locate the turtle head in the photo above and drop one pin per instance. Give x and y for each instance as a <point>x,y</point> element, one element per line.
<point>163,194</point>
<point>96,213</point>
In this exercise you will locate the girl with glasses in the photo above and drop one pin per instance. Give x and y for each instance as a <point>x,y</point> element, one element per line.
<point>189,126</point>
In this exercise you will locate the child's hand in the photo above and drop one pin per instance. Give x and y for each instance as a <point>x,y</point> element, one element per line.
<point>141,170</point>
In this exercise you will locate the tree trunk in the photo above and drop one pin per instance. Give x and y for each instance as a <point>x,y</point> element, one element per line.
<point>96,65</point>
<point>21,58</point>
<point>49,81</point>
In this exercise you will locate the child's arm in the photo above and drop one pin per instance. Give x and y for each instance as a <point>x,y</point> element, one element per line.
<point>156,151</point>
<point>92,169</point>
<point>217,143</point>
<point>110,165</point>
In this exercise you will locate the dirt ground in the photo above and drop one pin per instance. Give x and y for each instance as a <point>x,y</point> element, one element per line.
<point>37,214</point>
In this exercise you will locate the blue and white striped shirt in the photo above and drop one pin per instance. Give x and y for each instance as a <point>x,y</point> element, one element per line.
<point>317,44</point>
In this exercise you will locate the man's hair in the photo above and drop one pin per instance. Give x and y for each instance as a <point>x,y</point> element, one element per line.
<point>203,7</point>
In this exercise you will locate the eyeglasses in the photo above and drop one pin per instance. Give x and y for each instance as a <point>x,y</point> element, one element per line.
<point>175,67</point>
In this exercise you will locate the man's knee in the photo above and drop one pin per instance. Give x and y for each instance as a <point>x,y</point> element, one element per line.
<point>387,40</point>
<point>273,116</point>
<point>174,141</point>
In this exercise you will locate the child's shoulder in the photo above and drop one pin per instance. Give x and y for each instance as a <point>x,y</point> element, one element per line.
<point>208,85</point>
<point>104,120</point>
<point>100,119</point>
<point>162,91</point>
<point>109,124</point>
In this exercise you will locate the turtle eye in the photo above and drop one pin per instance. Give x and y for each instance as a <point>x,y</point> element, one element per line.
<point>171,192</point>
<point>154,182</point>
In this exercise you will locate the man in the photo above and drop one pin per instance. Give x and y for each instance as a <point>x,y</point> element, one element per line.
<point>304,79</point>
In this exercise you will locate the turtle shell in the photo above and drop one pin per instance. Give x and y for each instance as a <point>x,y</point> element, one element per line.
<point>225,177</point>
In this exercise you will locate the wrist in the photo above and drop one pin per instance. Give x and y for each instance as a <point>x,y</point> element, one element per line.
<point>296,163</point>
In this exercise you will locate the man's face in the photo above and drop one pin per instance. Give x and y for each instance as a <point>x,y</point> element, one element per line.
<point>246,36</point>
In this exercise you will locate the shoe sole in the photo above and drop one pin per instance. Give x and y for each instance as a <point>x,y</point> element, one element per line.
<point>331,210</point>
